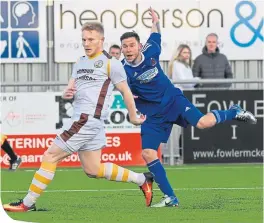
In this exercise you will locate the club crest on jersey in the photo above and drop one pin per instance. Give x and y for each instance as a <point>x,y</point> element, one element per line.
<point>153,62</point>
<point>98,64</point>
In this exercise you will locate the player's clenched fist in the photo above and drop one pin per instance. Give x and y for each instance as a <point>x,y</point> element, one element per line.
<point>68,93</point>
<point>138,121</point>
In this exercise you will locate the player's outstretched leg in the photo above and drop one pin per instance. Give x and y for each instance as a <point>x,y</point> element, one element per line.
<point>237,113</point>
<point>160,177</point>
<point>41,180</point>
<point>93,168</point>
<point>214,117</point>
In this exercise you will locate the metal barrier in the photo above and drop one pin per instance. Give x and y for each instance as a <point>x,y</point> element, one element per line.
<point>201,81</point>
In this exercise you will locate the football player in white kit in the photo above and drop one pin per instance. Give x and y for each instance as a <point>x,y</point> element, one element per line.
<point>94,77</point>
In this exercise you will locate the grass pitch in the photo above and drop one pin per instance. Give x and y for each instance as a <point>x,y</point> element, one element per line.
<point>207,194</point>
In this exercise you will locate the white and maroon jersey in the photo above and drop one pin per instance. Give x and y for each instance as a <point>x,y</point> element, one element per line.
<point>94,81</point>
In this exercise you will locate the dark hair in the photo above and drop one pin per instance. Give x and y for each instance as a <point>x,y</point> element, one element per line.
<point>129,35</point>
<point>115,47</point>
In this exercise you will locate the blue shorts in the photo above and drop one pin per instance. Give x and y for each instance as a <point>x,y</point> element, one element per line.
<point>157,128</point>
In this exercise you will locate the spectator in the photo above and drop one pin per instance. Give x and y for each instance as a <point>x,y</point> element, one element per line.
<point>211,64</point>
<point>115,51</point>
<point>180,66</point>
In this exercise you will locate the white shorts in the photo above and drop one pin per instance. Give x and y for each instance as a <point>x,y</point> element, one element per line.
<point>83,132</point>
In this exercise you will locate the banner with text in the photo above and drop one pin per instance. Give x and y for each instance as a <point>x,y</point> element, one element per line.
<point>31,121</point>
<point>121,148</point>
<point>231,142</point>
<point>239,25</point>
<point>45,113</point>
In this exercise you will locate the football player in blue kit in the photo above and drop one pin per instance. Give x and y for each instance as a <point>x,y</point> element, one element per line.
<point>163,104</point>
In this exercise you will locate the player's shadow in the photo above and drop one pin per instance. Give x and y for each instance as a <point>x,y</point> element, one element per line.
<point>42,209</point>
<point>11,171</point>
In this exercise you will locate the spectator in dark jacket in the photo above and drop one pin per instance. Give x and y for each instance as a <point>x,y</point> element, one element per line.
<point>211,64</point>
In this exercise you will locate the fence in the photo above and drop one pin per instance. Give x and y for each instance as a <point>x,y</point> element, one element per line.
<point>37,77</point>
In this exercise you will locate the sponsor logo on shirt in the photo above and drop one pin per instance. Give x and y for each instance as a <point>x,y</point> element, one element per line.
<point>148,75</point>
<point>85,71</point>
<point>86,78</point>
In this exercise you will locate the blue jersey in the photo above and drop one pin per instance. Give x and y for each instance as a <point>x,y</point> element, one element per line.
<point>147,80</point>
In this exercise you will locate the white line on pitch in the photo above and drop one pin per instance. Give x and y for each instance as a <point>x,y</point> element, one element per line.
<point>118,190</point>
<point>166,168</point>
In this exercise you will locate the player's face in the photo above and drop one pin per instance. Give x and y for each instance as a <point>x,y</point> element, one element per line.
<point>211,43</point>
<point>115,53</point>
<point>131,49</point>
<point>92,42</point>
<point>185,54</point>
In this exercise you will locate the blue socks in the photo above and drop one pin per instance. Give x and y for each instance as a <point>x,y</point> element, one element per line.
<point>156,168</point>
<point>224,115</point>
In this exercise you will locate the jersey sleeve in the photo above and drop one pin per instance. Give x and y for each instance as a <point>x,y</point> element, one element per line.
<point>117,71</point>
<point>155,37</point>
<point>74,71</point>
<point>153,44</point>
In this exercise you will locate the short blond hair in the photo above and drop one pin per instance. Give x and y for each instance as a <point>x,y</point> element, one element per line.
<point>97,26</point>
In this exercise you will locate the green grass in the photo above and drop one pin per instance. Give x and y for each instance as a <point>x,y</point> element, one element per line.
<point>213,204</point>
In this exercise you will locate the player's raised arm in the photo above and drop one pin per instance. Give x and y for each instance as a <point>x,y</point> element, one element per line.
<point>155,21</point>
<point>155,36</point>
